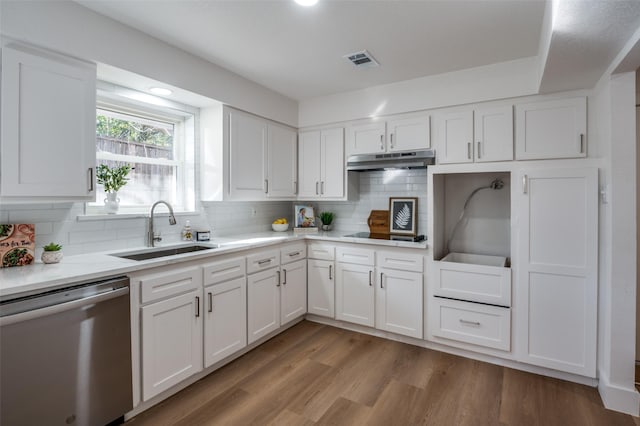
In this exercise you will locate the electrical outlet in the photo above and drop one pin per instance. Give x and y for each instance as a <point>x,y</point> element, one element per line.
<point>254,212</point>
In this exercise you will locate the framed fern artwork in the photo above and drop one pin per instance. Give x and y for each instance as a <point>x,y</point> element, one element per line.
<point>403,215</point>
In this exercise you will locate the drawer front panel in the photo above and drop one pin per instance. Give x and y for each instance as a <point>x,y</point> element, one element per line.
<point>475,283</point>
<point>321,251</point>
<point>482,325</point>
<point>262,260</point>
<point>293,252</point>
<point>355,255</point>
<point>400,260</point>
<point>161,285</point>
<point>224,270</point>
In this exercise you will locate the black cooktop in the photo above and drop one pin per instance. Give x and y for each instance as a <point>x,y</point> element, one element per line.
<point>387,236</point>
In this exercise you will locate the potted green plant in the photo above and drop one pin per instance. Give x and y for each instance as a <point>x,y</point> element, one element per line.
<point>327,220</point>
<point>52,253</point>
<point>112,178</point>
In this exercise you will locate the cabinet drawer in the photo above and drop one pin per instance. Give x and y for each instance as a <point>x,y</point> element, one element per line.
<point>262,260</point>
<point>475,283</point>
<point>400,260</point>
<point>169,283</point>
<point>293,252</point>
<point>225,270</point>
<point>473,323</point>
<point>321,251</point>
<point>355,255</point>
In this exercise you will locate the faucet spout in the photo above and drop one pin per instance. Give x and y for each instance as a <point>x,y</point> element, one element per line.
<point>151,235</point>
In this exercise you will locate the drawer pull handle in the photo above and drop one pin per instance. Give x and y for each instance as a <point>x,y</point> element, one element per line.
<point>581,143</point>
<point>476,323</point>
<point>278,283</point>
<point>525,184</point>
<point>284,282</point>
<point>370,273</point>
<point>197,306</point>
<point>295,253</point>
<point>469,150</point>
<point>210,301</point>
<point>262,262</point>
<point>330,268</point>
<point>478,153</point>
<point>381,275</point>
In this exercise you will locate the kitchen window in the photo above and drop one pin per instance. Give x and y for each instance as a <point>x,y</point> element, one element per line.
<point>158,141</point>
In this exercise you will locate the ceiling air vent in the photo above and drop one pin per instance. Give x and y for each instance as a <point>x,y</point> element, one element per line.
<point>362,59</point>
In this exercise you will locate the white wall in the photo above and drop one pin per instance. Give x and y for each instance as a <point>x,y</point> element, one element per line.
<point>491,82</point>
<point>69,28</point>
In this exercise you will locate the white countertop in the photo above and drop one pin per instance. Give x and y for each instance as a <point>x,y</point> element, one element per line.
<point>39,277</point>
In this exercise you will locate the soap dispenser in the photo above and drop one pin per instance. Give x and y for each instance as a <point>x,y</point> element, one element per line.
<point>187,235</point>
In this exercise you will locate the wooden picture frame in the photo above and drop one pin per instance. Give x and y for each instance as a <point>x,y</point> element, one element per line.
<point>403,215</point>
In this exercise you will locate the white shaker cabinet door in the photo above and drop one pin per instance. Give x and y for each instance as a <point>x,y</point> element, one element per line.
<point>366,138</point>
<point>399,302</point>
<point>48,131</point>
<point>355,294</point>
<point>247,156</point>
<point>558,267</point>
<point>493,128</point>
<point>263,303</point>
<point>293,291</point>
<point>309,164</point>
<point>551,129</point>
<point>454,137</point>
<point>321,287</point>
<point>282,162</point>
<point>171,342</point>
<point>225,324</point>
<point>332,163</point>
<point>408,134</point>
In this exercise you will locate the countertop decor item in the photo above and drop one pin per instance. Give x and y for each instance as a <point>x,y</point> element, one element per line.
<point>280,225</point>
<point>304,217</point>
<point>52,253</point>
<point>402,215</point>
<point>327,220</point>
<point>378,222</point>
<point>17,244</point>
<point>113,179</point>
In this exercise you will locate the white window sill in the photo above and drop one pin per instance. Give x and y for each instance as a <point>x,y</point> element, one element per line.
<point>140,215</point>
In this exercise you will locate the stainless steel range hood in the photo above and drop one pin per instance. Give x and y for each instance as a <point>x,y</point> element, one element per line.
<point>397,160</point>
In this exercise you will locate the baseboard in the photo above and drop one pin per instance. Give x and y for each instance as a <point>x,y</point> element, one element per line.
<point>625,400</point>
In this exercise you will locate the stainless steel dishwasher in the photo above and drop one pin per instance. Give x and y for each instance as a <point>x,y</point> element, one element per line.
<point>65,356</point>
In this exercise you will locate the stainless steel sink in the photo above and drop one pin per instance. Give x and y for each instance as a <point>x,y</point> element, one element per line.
<point>163,252</point>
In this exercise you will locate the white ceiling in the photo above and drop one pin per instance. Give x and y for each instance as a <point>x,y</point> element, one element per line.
<point>298,51</point>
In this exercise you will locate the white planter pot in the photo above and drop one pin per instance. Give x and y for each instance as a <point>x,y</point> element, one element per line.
<point>111,203</point>
<point>51,256</point>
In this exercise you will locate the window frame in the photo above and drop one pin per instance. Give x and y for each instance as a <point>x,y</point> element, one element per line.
<point>185,119</point>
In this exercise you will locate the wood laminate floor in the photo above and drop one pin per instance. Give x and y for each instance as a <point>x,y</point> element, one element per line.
<point>317,374</point>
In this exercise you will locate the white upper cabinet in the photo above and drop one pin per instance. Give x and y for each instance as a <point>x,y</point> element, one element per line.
<point>408,134</point>
<point>480,135</point>
<point>558,269</point>
<point>282,162</point>
<point>551,129</point>
<point>393,135</point>
<point>247,156</point>
<point>262,158</point>
<point>321,171</point>
<point>48,127</point>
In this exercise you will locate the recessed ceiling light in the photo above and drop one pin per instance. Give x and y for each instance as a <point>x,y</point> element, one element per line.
<point>306,2</point>
<point>160,91</point>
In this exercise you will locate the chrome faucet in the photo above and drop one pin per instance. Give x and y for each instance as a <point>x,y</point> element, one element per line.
<point>151,236</point>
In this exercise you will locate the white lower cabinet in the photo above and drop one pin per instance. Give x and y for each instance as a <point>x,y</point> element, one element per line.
<point>263,303</point>
<point>355,293</point>
<point>321,287</point>
<point>293,291</point>
<point>171,342</point>
<point>225,319</point>
<point>399,302</point>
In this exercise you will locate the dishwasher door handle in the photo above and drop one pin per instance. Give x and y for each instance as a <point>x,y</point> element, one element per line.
<point>50,310</point>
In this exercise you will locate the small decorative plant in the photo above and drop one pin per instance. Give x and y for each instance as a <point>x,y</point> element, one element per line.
<point>51,253</point>
<point>326,218</point>
<point>52,247</point>
<point>113,178</point>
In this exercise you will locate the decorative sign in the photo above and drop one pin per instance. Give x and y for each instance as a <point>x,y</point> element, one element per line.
<point>17,244</point>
